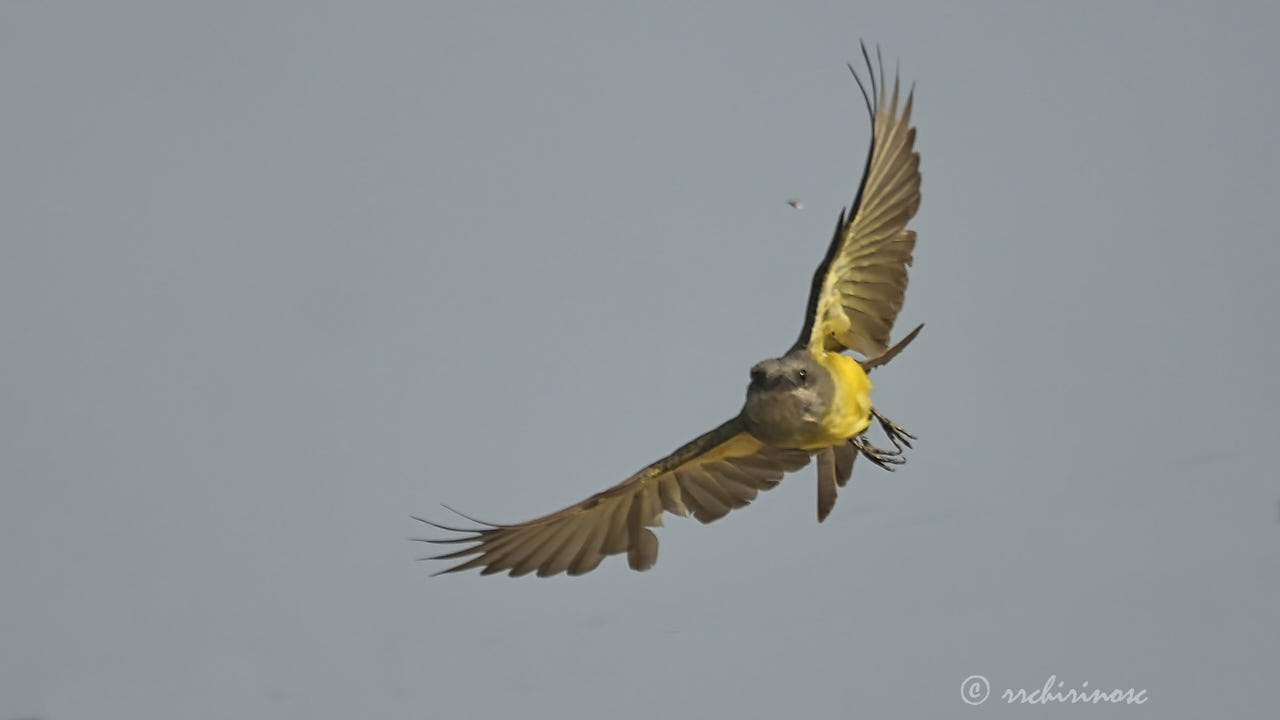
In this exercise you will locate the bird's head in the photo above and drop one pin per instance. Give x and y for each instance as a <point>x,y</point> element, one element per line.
<point>787,396</point>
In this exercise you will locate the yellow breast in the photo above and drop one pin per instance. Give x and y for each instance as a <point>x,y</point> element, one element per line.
<point>850,410</point>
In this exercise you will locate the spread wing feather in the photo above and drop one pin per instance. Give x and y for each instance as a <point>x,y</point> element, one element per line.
<point>717,472</point>
<point>858,289</point>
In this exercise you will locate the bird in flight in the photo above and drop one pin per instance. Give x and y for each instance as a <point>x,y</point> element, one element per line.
<point>812,403</point>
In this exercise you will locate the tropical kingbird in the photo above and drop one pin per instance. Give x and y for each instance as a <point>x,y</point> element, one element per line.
<point>813,402</point>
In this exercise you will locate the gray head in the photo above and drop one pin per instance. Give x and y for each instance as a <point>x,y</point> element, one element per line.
<point>787,397</point>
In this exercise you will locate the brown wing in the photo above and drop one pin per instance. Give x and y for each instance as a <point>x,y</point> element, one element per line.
<point>715,473</point>
<point>858,289</point>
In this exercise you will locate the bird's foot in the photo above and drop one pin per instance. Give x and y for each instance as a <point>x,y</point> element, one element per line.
<point>897,434</point>
<point>884,458</point>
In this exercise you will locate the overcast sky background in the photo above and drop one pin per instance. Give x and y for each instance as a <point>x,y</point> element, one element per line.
<point>273,279</point>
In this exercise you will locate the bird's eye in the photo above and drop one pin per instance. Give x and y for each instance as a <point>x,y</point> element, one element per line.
<point>802,375</point>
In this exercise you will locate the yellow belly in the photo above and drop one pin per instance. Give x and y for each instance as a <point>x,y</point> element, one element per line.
<point>850,410</point>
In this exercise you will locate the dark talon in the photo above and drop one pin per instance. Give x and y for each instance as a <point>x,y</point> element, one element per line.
<point>882,458</point>
<point>897,434</point>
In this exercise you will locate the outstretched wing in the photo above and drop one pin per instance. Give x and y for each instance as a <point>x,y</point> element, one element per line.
<point>715,473</point>
<point>857,291</point>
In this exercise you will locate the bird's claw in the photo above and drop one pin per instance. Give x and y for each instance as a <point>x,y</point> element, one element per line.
<point>898,435</point>
<point>883,458</point>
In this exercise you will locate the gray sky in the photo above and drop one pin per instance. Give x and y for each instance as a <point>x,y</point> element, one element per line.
<point>272,280</point>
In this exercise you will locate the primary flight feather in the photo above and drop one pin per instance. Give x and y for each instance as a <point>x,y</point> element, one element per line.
<point>811,403</point>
